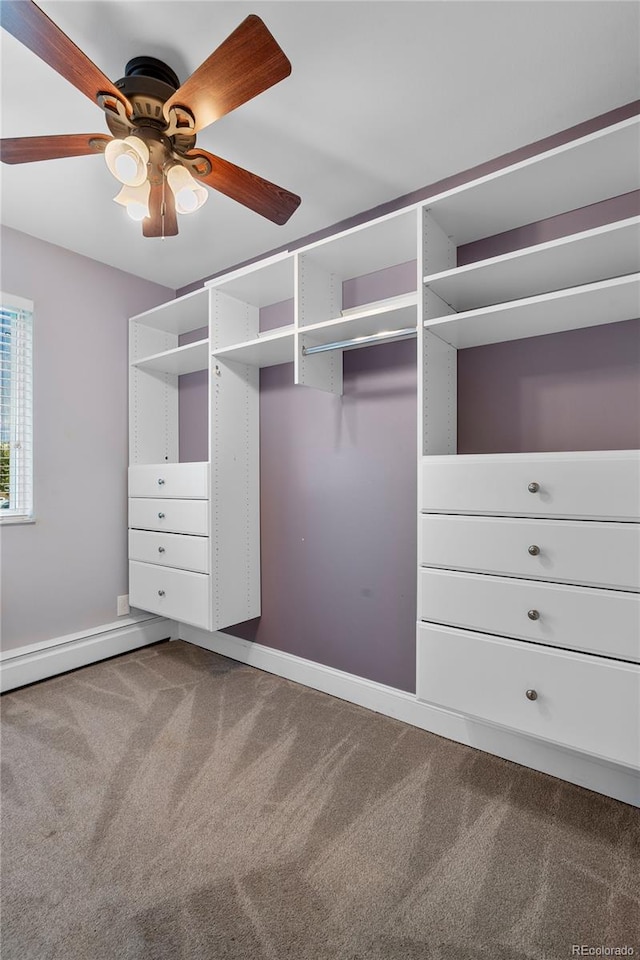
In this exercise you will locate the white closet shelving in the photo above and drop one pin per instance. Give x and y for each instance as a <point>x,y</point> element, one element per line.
<point>185,359</point>
<point>593,304</point>
<point>178,511</point>
<point>608,251</point>
<point>581,172</point>
<point>471,620</point>
<point>506,572</point>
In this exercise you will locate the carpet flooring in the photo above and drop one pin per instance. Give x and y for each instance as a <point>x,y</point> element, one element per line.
<point>171,804</point>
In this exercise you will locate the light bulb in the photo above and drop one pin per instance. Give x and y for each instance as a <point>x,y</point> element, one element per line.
<point>137,211</point>
<point>186,200</point>
<point>189,194</point>
<point>127,160</point>
<point>136,200</point>
<point>126,168</point>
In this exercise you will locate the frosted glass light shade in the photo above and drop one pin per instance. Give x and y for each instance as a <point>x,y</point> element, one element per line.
<point>189,194</point>
<point>136,200</point>
<point>127,160</point>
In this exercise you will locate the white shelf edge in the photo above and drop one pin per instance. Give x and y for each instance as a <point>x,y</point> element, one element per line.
<point>261,351</point>
<point>146,315</point>
<point>377,309</point>
<point>281,333</point>
<point>529,161</point>
<point>276,332</point>
<point>155,361</point>
<point>525,252</point>
<point>249,268</point>
<point>501,311</point>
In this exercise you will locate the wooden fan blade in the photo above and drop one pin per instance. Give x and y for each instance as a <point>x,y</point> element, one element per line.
<point>30,149</point>
<point>270,201</point>
<point>163,221</point>
<point>246,63</point>
<point>24,20</point>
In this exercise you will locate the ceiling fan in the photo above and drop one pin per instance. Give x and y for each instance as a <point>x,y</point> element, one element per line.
<point>154,121</point>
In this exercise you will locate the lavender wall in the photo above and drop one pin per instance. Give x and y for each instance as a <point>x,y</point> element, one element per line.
<point>62,574</point>
<point>338,494</point>
<point>578,390</point>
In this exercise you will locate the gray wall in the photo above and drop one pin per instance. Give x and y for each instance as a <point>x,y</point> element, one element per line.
<point>62,574</point>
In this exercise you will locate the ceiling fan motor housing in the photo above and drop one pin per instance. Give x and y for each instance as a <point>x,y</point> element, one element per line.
<point>147,84</point>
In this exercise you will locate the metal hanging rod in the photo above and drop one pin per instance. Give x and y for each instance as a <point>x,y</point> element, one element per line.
<point>361,341</point>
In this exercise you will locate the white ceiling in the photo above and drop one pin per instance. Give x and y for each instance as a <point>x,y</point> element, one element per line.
<point>384,98</point>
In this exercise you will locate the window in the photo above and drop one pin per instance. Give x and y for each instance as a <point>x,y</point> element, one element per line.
<point>16,409</point>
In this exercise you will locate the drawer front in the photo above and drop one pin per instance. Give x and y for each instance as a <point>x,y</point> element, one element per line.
<point>169,480</point>
<point>572,551</point>
<point>176,594</point>
<point>587,703</point>
<point>591,486</point>
<point>605,622</point>
<point>171,516</point>
<point>170,550</point>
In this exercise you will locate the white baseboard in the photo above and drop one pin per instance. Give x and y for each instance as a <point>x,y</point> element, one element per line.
<point>39,661</point>
<point>594,773</point>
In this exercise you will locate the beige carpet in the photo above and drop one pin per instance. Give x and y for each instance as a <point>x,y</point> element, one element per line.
<point>172,804</point>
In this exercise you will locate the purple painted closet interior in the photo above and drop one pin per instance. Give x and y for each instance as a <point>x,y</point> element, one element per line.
<point>338,475</point>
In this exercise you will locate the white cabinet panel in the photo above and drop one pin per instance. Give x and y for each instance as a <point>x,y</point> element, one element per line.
<point>188,480</point>
<point>605,622</point>
<point>587,703</point>
<point>172,516</point>
<point>592,485</point>
<point>572,551</point>
<point>176,594</point>
<point>170,550</point>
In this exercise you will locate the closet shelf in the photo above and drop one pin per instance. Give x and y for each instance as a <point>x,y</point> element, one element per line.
<point>179,316</point>
<point>601,165</point>
<point>607,251</point>
<point>393,314</point>
<point>267,350</point>
<point>592,304</point>
<point>185,359</point>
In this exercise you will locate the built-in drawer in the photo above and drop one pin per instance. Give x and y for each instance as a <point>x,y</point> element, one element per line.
<point>170,550</point>
<point>573,551</point>
<point>169,480</point>
<point>604,622</point>
<point>176,594</point>
<point>172,516</point>
<point>590,485</point>
<point>587,703</point>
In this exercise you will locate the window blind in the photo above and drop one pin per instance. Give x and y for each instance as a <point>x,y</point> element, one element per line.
<point>16,408</point>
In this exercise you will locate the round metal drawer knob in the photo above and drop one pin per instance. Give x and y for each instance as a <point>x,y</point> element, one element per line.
<point>533,487</point>
<point>534,550</point>
<point>160,481</point>
<point>161,594</point>
<point>160,549</point>
<point>161,516</point>
<point>533,614</point>
<point>532,695</point>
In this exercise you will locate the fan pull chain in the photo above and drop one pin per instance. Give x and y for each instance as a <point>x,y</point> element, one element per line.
<point>163,205</point>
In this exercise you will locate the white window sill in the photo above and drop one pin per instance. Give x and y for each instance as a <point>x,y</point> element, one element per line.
<point>6,521</point>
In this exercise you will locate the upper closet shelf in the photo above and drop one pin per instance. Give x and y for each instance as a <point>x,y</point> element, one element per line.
<point>608,301</point>
<point>607,251</point>
<point>186,359</point>
<point>267,350</point>
<point>397,313</point>
<point>601,165</point>
<point>179,316</point>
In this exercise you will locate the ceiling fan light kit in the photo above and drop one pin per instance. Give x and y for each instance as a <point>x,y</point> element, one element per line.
<point>135,199</point>
<point>127,160</point>
<point>154,121</point>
